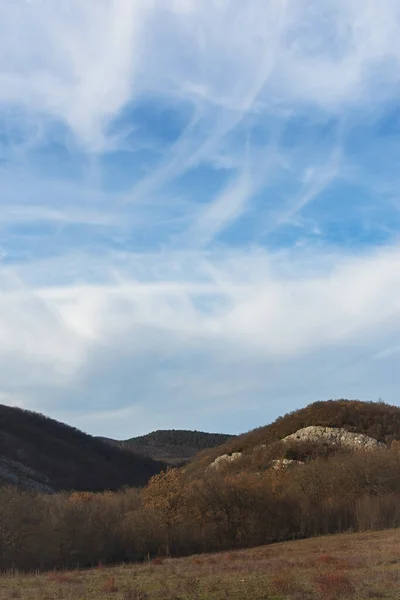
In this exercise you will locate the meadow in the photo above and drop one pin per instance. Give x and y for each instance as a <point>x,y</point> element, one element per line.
<point>336,567</point>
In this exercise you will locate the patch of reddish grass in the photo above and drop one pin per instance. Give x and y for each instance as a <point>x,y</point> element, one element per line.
<point>60,577</point>
<point>158,561</point>
<point>284,585</point>
<point>109,585</point>
<point>232,557</point>
<point>344,565</point>
<point>326,559</point>
<point>334,586</point>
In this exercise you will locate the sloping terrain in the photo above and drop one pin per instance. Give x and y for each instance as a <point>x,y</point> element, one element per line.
<point>376,420</point>
<point>173,446</point>
<point>358,566</point>
<point>41,453</point>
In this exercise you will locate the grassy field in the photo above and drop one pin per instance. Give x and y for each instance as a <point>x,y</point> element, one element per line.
<point>362,565</point>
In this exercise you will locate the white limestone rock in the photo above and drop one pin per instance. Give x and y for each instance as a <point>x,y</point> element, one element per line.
<point>224,459</point>
<point>285,463</point>
<point>334,436</point>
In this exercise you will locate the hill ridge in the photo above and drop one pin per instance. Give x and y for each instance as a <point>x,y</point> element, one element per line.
<point>377,420</point>
<point>174,446</point>
<point>37,448</point>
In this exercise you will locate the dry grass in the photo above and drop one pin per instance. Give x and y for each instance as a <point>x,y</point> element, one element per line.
<point>340,567</point>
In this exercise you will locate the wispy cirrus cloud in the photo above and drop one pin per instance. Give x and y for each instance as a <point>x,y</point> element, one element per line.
<point>198,206</point>
<point>235,323</point>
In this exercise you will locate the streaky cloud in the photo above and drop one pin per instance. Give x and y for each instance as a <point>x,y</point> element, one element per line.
<point>199,208</point>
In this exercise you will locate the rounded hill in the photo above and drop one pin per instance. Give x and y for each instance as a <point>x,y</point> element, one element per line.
<point>377,420</point>
<point>173,446</point>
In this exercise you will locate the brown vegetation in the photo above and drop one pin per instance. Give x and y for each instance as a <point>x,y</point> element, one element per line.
<point>185,511</point>
<point>375,419</point>
<point>177,514</point>
<point>361,566</point>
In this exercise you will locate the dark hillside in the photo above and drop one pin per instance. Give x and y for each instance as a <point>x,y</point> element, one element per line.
<point>35,448</point>
<point>375,419</point>
<point>174,446</point>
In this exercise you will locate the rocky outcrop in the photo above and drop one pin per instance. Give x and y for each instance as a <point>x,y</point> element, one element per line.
<point>16,473</point>
<point>314,434</point>
<point>334,436</point>
<point>285,463</point>
<point>224,460</point>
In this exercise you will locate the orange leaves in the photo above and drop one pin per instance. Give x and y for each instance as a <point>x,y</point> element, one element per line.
<point>165,493</point>
<point>81,497</point>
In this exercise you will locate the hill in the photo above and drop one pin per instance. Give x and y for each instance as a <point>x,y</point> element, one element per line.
<point>260,497</point>
<point>377,420</point>
<point>41,453</point>
<point>173,446</point>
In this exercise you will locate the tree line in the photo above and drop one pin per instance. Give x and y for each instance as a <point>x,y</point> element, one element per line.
<point>178,513</point>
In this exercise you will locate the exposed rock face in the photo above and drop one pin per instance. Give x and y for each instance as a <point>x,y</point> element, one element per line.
<point>285,463</point>
<point>334,436</point>
<point>16,473</point>
<point>314,434</point>
<point>224,459</point>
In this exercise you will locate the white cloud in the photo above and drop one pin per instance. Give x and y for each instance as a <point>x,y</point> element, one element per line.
<point>223,210</point>
<point>71,61</point>
<point>189,333</point>
<point>83,62</point>
<point>164,343</point>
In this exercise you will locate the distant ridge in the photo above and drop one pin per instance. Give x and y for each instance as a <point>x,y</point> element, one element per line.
<point>173,446</point>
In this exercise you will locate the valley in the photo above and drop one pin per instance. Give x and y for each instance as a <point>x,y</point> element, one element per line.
<point>253,510</point>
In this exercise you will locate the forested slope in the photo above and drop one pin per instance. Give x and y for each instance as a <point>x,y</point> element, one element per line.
<point>173,446</point>
<point>37,449</point>
<point>376,419</point>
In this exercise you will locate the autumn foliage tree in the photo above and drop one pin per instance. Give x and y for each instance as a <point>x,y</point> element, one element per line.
<point>166,494</point>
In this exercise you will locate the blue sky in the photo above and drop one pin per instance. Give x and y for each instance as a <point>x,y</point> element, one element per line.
<point>199,209</point>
